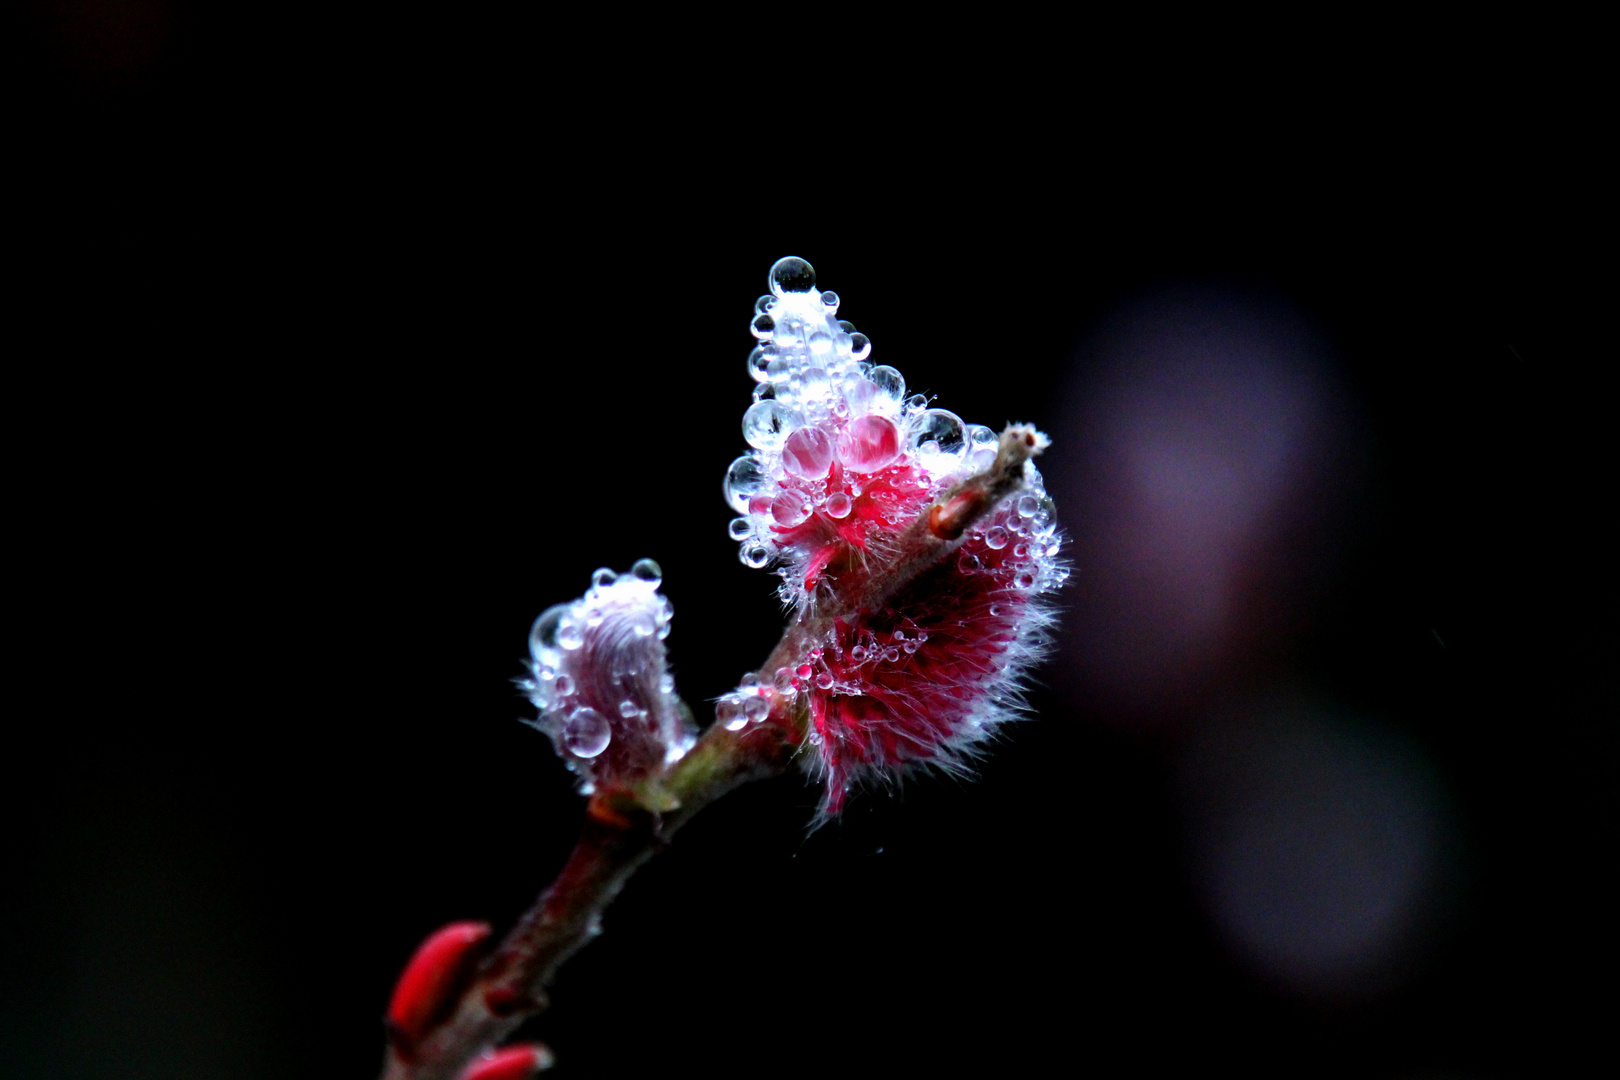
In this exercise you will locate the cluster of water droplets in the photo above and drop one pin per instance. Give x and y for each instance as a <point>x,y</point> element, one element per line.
<point>1020,539</point>
<point>825,421</point>
<point>599,678</point>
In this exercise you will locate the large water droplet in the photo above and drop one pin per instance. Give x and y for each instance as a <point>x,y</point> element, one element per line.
<point>870,443</point>
<point>860,346</point>
<point>996,538</point>
<point>729,713</point>
<point>648,572</point>
<point>860,395</point>
<point>941,432</point>
<point>888,380</point>
<point>543,635</point>
<point>602,577</point>
<point>767,423</point>
<point>814,384</point>
<point>792,274</point>
<point>586,732</point>
<point>762,327</point>
<point>740,528</point>
<point>839,505</point>
<point>754,554</point>
<point>790,508</point>
<point>829,300</point>
<point>743,480</point>
<point>758,362</point>
<point>808,453</point>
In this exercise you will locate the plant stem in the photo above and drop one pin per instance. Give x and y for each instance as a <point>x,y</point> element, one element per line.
<point>618,836</point>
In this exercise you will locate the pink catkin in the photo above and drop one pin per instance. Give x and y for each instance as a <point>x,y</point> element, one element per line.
<point>970,625</point>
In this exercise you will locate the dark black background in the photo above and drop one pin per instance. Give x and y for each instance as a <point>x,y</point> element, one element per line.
<point>346,341</point>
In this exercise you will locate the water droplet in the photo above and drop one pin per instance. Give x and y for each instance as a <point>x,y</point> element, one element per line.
<point>1026,580</point>
<point>860,346</point>
<point>543,634</point>
<point>983,445</point>
<point>944,430</point>
<point>628,708</point>
<point>764,303</point>
<point>911,647</point>
<point>821,346</point>
<point>740,528</point>
<point>839,505</point>
<point>1027,505</point>
<point>792,274</point>
<point>569,635</point>
<point>756,708</point>
<point>647,572</point>
<point>824,680</point>
<point>870,443</point>
<point>1020,550</point>
<point>814,385</point>
<point>767,423</point>
<point>564,685</point>
<point>858,654</point>
<point>829,300</point>
<point>762,327</point>
<point>803,671</point>
<point>916,402</point>
<point>754,555</point>
<point>859,394</point>
<point>890,382</point>
<point>602,577</point>
<point>783,680</point>
<point>758,361</point>
<point>899,635</point>
<point>729,713</point>
<point>996,538</point>
<point>808,453</point>
<point>743,479</point>
<point>790,508</point>
<point>892,653</point>
<point>586,732</point>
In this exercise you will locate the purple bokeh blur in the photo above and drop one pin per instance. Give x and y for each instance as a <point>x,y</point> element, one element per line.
<point>1211,446</point>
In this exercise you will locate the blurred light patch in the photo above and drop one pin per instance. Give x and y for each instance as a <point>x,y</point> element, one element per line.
<point>1316,842</point>
<point>1208,434</point>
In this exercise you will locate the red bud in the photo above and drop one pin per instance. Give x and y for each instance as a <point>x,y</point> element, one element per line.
<point>431,982</point>
<point>514,1063</point>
